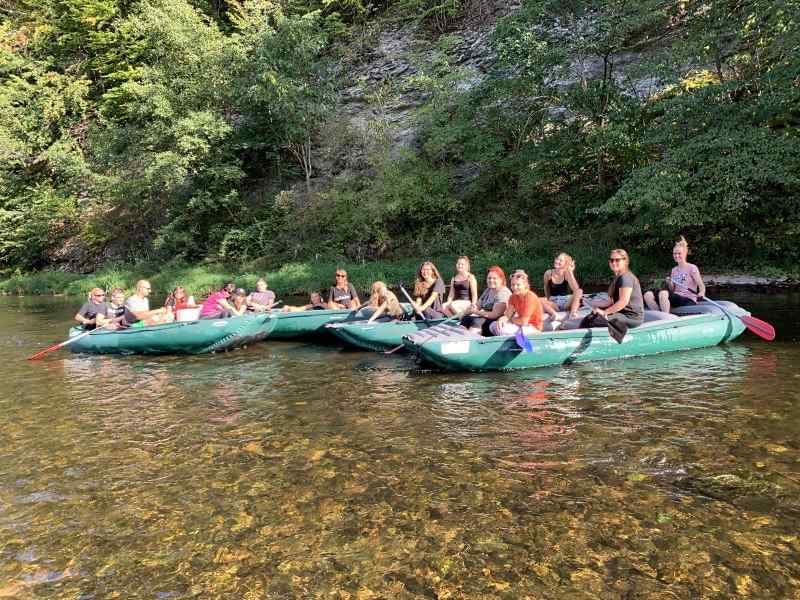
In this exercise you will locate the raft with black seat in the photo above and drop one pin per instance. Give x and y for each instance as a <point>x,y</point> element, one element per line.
<point>453,348</point>
<point>186,337</point>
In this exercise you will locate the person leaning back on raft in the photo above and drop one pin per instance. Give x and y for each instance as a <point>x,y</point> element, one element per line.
<point>428,292</point>
<point>491,305</point>
<point>684,283</point>
<point>342,294</point>
<point>625,307</point>
<point>524,309</point>
<point>315,303</point>
<point>385,303</point>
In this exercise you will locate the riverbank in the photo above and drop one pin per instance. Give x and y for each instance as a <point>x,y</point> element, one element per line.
<point>304,277</point>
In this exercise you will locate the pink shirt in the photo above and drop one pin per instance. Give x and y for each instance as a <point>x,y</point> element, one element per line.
<point>684,277</point>
<point>210,305</point>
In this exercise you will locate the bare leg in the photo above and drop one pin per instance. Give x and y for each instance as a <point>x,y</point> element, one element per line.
<point>576,302</point>
<point>663,300</point>
<point>549,308</point>
<point>650,300</point>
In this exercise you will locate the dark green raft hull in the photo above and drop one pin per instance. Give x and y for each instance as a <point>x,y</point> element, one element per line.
<point>454,351</point>
<point>307,323</point>
<point>191,337</point>
<point>378,336</point>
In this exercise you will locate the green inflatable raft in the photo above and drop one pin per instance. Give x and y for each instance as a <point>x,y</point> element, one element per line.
<point>454,349</point>
<point>289,325</point>
<point>379,335</point>
<point>190,337</point>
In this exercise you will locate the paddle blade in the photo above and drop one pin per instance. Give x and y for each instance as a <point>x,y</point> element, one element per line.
<point>522,341</point>
<point>617,330</point>
<point>47,350</point>
<point>761,328</point>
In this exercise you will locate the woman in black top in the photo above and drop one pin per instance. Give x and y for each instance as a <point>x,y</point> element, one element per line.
<point>428,292</point>
<point>625,306</point>
<point>343,294</point>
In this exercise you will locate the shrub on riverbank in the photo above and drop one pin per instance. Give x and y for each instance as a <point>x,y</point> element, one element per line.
<point>303,277</point>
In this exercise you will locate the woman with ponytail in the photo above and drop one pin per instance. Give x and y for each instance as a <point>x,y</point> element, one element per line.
<point>684,283</point>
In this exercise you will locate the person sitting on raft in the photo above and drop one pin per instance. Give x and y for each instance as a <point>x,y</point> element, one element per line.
<point>139,306</point>
<point>463,289</point>
<point>95,305</point>
<point>491,305</point>
<point>117,315</point>
<point>342,294</point>
<point>238,302</point>
<point>684,283</point>
<point>624,307</point>
<point>262,299</point>
<point>428,292</point>
<point>315,303</point>
<point>178,300</point>
<point>561,288</point>
<point>217,306</point>
<point>524,309</point>
<point>384,302</point>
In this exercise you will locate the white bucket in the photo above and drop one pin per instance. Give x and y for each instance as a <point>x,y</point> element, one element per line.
<point>188,314</point>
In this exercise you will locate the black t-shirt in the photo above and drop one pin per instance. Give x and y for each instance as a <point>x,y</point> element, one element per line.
<point>113,312</point>
<point>438,287</point>
<point>90,310</point>
<point>635,307</point>
<point>342,296</point>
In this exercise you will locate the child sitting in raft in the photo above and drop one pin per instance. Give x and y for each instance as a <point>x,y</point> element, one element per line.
<point>463,289</point>
<point>315,303</point>
<point>524,309</point>
<point>684,283</point>
<point>384,302</point>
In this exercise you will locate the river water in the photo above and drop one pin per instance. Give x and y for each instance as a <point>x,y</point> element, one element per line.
<point>297,470</point>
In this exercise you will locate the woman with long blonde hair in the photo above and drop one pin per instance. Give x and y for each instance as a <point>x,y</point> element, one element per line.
<point>384,302</point>
<point>684,283</point>
<point>561,288</point>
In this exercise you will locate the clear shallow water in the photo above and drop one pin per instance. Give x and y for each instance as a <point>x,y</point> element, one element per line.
<point>293,470</point>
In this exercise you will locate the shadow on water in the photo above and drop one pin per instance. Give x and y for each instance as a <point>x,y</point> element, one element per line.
<point>290,470</point>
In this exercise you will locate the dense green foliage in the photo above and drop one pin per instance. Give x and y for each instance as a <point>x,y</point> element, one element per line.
<point>176,129</point>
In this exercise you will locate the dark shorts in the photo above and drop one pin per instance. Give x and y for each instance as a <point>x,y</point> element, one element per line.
<point>474,321</point>
<point>675,300</point>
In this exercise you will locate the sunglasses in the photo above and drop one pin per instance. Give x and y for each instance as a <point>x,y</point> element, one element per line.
<point>612,260</point>
<point>341,275</point>
<point>98,295</point>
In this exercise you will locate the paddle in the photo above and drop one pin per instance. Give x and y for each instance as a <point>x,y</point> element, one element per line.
<point>761,328</point>
<point>522,341</point>
<point>616,329</point>
<point>58,345</point>
<point>413,305</point>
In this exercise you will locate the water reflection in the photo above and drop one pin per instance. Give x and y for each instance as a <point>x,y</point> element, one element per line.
<point>296,470</point>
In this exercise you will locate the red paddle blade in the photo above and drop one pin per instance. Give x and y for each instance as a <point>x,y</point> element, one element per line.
<point>761,328</point>
<point>41,353</point>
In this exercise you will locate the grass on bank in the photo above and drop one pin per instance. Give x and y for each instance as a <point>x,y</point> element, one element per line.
<point>303,277</point>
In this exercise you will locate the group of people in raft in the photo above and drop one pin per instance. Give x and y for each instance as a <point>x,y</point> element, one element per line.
<point>502,309</point>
